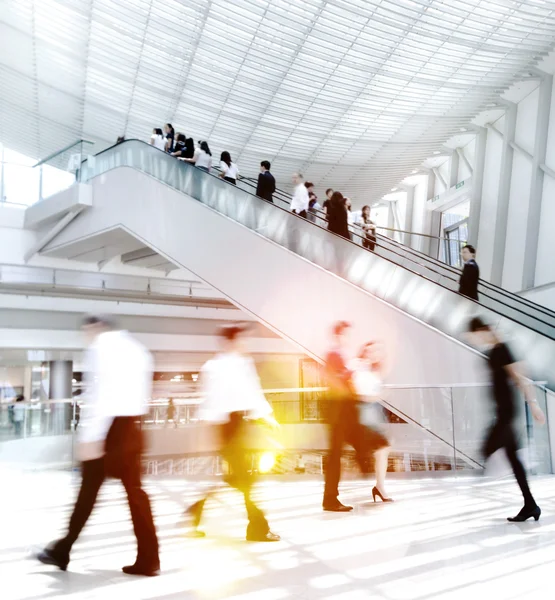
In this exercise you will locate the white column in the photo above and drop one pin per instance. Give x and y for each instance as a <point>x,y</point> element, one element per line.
<point>409,211</point>
<point>477,185</point>
<point>500,233</point>
<point>454,169</point>
<point>532,231</point>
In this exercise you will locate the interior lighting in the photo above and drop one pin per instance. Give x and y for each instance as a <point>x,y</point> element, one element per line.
<point>394,189</point>
<point>194,377</point>
<point>437,152</point>
<point>266,462</point>
<point>415,171</point>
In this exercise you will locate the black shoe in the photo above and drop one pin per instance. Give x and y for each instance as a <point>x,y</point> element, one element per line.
<point>265,537</point>
<point>376,492</point>
<point>526,513</point>
<point>47,557</point>
<point>337,507</point>
<point>142,570</point>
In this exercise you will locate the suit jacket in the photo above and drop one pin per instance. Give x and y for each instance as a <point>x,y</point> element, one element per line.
<point>266,186</point>
<point>468,284</point>
<point>339,377</point>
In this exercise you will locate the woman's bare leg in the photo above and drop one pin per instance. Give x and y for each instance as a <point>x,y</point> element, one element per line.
<point>380,457</point>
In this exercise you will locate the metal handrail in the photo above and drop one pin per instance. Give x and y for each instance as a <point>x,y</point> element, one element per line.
<point>58,152</point>
<point>454,271</point>
<point>409,254</point>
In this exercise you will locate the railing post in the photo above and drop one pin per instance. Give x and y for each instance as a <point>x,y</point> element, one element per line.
<point>40,183</point>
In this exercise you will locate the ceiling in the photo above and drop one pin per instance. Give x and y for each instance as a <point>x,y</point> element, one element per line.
<point>354,93</point>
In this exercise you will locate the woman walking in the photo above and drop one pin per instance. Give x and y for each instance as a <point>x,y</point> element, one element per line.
<point>367,378</point>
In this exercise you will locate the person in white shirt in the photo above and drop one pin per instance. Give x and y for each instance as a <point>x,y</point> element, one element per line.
<point>229,170</point>
<point>368,374</point>
<point>119,376</point>
<point>19,415</point>
<point>157,139</point>
<point>231,393</point>
<point>202,158</point>
<point>300,199</point>
<point>363,220</point>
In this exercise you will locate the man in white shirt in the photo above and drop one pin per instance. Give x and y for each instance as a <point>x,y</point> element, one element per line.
<point>231,393</point>
<point>300,199</point>
<point>119,374</point>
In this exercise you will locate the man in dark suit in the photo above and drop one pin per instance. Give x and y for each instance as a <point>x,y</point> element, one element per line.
<point>468,283</point>
<point>343,418</point>
<point>266,182</point>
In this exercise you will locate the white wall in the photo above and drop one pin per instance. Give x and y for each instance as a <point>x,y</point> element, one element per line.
<point>488,210</point>
<point>521,178</point>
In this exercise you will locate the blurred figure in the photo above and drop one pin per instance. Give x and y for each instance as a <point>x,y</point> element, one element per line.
<point>229,170</point>
<point>19,415</point>
<point>266,186</point>
<point>505,374</point>
<point>300,467</point>
<point>350,214</point>
<point>299,201</point>
<point>179,145</point>
<point>231,392</point>
<point>157,139</point>
<point>343,418</point>
<point>120,140</point>
<point>468,283</point>
<point>368,378</point>
<point>326,205</point>
<point>202,159</point>
<point>369,227</point>
<point>119,372</point>
<point>313,206</point>
<point>170,413</point>
<point>169,134</point>
<point>337,216</point>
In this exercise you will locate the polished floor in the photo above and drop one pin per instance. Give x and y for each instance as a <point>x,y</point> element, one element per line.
<point>442,539</point>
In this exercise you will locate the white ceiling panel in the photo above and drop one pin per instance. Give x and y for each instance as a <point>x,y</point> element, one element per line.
<point>353,92</point>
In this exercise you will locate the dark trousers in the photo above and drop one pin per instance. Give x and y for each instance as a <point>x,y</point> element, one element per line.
<point>233,436</point>
<point>502,435</point>
<point>369,243</point>
<point>302,213</point>
<point>345,428</point>
<point>123,460</point>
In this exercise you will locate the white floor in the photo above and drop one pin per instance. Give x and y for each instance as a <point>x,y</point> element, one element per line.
<point>441,539</point>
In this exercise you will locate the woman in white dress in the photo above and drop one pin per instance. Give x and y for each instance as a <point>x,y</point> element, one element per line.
<point>367,378</point>
<point>157,139</point>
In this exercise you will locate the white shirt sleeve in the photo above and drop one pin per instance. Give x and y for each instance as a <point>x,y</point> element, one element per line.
<point>224,167</point>
<point>95,423</point>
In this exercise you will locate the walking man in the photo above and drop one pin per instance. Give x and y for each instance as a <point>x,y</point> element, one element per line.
<point>505,374</point>
<point>343,417</point>
<point>119,373</point>
<point>468,283</point>
<point>231,394</point>
<point>300,200</point>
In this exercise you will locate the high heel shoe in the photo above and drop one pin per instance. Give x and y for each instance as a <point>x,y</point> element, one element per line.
<point>526,513</point>
<point>376,492</point>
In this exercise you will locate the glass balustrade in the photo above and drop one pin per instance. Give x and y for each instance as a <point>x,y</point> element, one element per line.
<point>430,428</point>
